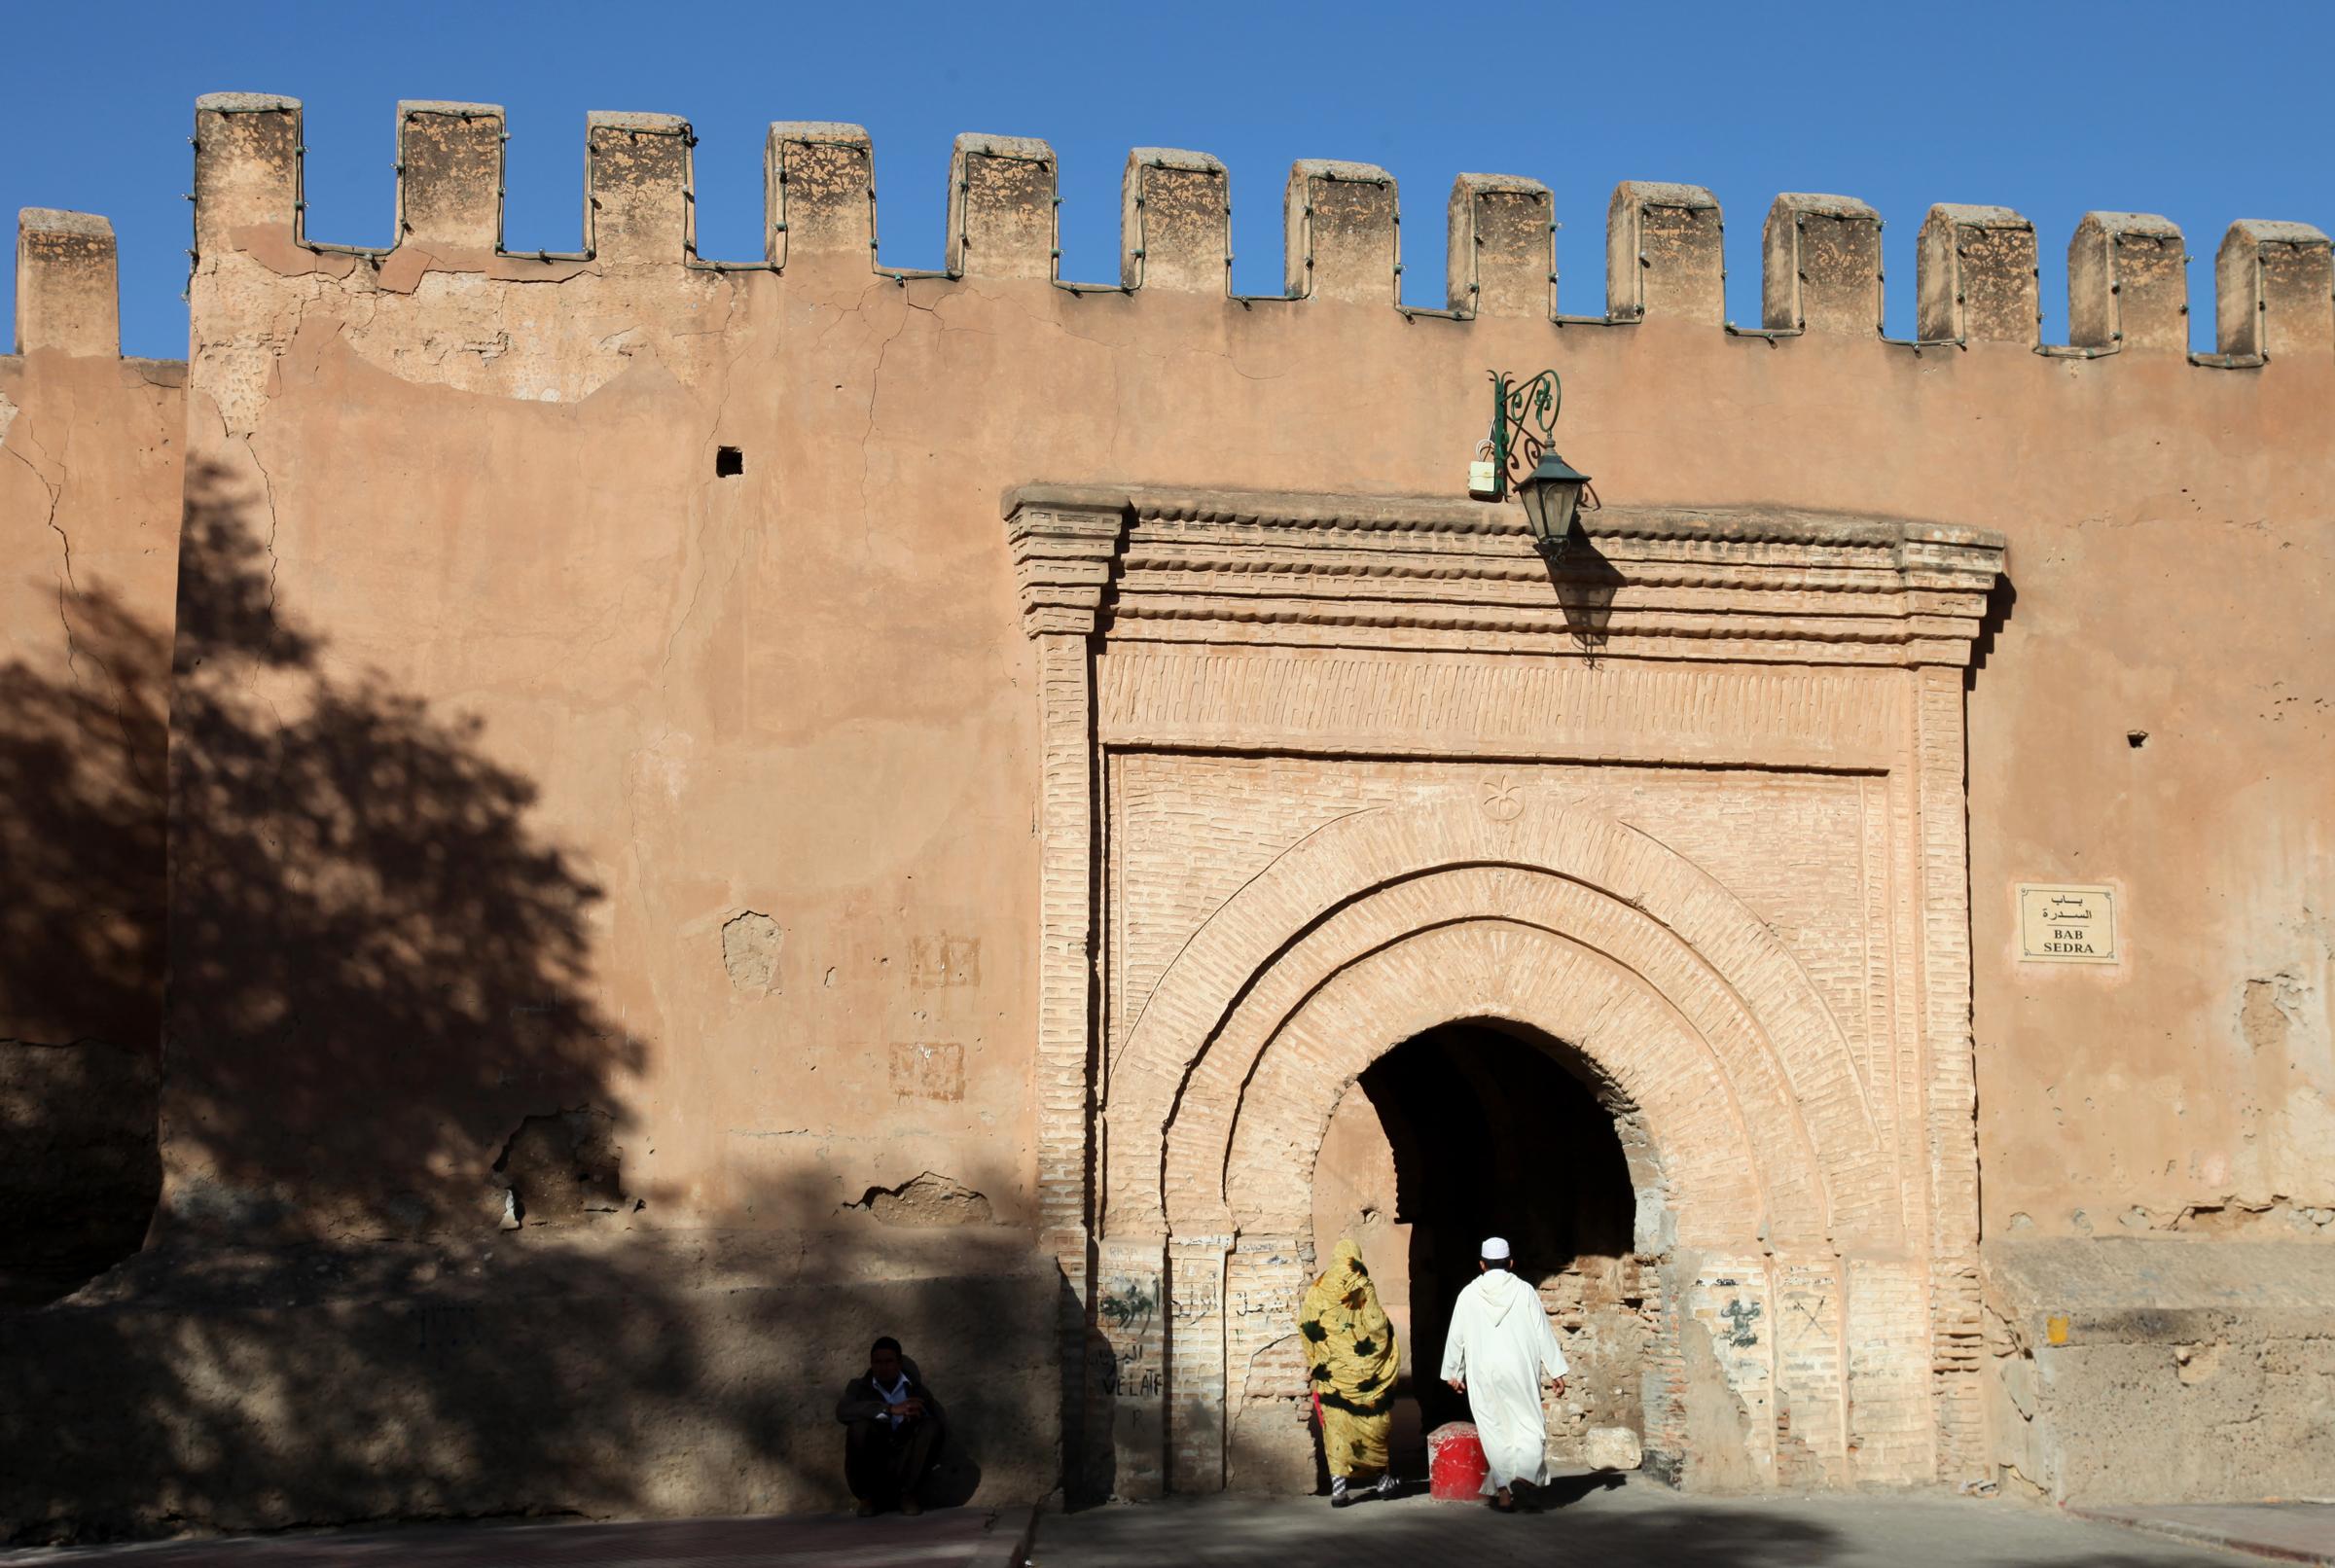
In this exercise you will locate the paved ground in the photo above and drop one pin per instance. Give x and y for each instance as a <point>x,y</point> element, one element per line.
<point>1589,1521</point>
<point>944,1538</point>
<point>2292,1532</point>
<point>1640,1522</point>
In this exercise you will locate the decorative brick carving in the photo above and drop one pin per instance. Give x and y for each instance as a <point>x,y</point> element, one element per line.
<point>1061,564</point>
<point>1323,773</point>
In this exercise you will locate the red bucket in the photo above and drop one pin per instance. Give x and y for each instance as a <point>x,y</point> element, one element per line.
<point>1456,1463</point>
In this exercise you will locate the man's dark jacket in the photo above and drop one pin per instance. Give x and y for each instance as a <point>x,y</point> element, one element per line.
<point>862,1402</point>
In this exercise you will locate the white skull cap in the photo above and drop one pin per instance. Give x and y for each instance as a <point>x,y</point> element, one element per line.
<point>1496,1249</point>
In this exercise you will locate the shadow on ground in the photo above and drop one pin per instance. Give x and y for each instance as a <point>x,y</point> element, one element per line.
<point>1587,1521</point>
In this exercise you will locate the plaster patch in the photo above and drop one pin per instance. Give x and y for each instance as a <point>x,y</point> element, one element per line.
<point>1718,1422</point>
<point>2263,1017</point>
<point>750,943</point>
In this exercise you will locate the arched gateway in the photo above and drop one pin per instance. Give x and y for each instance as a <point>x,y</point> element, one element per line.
<point>1322,776</point>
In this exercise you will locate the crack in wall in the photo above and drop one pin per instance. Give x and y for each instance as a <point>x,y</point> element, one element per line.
<point>867,523</point>
<point>268,490</point>
<point>65,586</point>
<point>68,589</point>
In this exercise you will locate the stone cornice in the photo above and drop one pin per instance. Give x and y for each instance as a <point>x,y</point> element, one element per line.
<point>1427,572</point>
<point>1062,558</point>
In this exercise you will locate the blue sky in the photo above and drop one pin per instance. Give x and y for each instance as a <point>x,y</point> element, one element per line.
<point>2049,108</point>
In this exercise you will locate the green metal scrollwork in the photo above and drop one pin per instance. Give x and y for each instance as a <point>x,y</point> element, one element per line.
<point>1523,424</point>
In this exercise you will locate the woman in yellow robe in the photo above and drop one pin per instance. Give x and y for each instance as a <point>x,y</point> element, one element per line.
<point>1350,1353</point>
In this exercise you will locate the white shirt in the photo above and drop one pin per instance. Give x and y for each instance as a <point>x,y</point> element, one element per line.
<point>891,1396</point>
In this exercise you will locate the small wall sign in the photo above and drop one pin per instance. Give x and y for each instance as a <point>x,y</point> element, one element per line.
<point>2063,923</point>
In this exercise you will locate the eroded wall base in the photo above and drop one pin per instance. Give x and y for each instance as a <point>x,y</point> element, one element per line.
<point>80,1167</point>
<point>637,1375</point>
<point>2133,1370</point>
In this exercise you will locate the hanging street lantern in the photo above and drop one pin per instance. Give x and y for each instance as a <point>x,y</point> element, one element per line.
<point>1552,494</point>
<point>1518,454</point>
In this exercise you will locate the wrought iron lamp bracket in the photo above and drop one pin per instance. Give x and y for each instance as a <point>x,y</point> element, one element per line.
<point>1524,432</point>
<point>1524,425</point>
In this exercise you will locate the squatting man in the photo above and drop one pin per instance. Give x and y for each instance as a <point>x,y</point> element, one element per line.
<point>1499,1347</point>
<point>892,1429</point>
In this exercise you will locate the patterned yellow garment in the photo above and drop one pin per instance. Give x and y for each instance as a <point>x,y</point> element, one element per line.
<point>1351,1350</point>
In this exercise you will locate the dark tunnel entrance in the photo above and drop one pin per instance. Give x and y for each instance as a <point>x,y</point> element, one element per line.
<point>1476,1130</point>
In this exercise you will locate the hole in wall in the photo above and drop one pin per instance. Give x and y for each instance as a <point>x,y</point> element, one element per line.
<point>2135,738</point>
<point>728,462</point>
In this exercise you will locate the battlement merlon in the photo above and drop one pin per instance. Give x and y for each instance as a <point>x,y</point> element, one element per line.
<point>639,206</point>
<point>1175,222</point>
<point>1341,231</point>
<point>1823,265</point>
<point>2128,283</point>
<point>819,192</point>
<point>1976,278</point>
<point>450,174</point>
<point>1001,208</point>
<point>1664,255</point>
<point>1501,254</point>
<point>67,294</point>
<point>247,154</point>
<point>2275,289</point>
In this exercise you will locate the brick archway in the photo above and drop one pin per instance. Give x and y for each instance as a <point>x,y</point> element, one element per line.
<point>1599,1020</point>
<point>1317,773</point>
<point>1752,1134</point>
<point>1621,1034</point>
<point>1688,948</point>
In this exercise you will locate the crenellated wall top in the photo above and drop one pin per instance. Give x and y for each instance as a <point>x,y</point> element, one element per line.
<point>1978,279</point>
<point>1978,275</point>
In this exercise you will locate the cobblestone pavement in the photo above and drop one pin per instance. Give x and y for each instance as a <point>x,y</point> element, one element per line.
<point>944,1538</point>
<point>1616,1526</point>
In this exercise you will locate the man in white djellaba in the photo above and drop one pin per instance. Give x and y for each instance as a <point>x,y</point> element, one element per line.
<point>1499,1347</point>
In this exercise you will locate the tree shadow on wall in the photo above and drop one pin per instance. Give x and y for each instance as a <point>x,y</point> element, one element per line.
<point>597,1372</point>
<point>378,971</point>
<point>81,985</point>
<point>402,1271</point>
